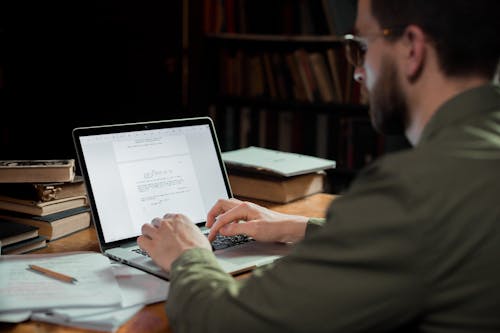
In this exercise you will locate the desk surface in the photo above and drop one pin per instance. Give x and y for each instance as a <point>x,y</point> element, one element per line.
<point>153,317</point>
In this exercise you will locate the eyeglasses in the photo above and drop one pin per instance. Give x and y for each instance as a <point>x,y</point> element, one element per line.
<point>356,46</point>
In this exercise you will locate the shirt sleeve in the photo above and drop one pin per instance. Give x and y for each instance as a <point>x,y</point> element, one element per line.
<point>359,272</point>
<point>314,223</point>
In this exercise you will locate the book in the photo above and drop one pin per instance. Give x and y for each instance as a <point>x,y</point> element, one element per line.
<point>44,191</point>
<point>305,73</point>
<point>25,246</point>
<point>273,162</point>
<point>37,171</point>
<point>276,189</point>
<point>334,73</point>
<point>13,232</point>
<point>299,91</point>
<point>41,208</point>
<point>320,72</point>
<point>53,226</point>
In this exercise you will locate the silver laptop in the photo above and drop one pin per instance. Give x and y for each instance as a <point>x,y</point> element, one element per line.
<point>138,171</point>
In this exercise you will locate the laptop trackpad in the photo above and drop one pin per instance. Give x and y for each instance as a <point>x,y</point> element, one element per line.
<point>129,256</point>
<point>250,255</point>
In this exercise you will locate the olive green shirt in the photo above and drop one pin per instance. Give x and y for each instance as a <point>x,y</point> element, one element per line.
<point>413,246</point>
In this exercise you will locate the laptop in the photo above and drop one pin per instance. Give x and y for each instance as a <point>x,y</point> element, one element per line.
<point>135,172</point>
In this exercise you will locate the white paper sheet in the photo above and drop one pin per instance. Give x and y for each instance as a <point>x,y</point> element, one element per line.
<point>109,321</point>
<point>15,316</point>
<point>23,289</point>
<point>136,287</point>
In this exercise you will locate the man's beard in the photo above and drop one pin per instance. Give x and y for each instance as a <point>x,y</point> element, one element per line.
<point>388,106</point>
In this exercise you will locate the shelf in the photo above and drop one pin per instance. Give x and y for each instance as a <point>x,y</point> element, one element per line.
<point>328,108</point>
<point>268,86</point>
<point>274,41</point>
<point>225,37</point>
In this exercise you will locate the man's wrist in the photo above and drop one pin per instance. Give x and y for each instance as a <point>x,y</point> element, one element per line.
<point>314,223</point>
<point>190,257</point>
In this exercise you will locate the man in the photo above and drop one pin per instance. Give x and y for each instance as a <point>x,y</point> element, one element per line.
<point>413,245</point>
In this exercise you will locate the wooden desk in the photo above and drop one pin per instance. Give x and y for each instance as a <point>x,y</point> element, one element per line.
<point>153,317</point>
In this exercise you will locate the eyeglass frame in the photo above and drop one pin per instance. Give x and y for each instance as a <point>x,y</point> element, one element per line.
<point>358,59</point>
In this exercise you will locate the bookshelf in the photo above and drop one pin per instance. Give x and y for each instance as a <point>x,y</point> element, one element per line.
<point>273,74</point>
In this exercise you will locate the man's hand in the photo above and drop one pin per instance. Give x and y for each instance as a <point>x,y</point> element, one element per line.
<point>233,217</point>
<point>165,239</point>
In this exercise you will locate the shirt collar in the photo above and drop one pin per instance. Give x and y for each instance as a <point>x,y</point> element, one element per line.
<point>481,99</point>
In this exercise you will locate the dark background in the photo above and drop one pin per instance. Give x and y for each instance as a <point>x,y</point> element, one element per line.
<point>65,64</point>
<point>68,64</point>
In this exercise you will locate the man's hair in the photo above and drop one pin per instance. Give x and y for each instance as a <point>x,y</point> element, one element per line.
<point>465,33</point>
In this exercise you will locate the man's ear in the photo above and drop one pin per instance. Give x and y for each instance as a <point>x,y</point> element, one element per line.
<point>415,51</point>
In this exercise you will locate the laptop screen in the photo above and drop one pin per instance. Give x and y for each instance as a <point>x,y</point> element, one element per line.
<point>135,173</point>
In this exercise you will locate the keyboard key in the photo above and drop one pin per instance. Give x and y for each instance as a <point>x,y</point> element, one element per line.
<point>141,251</point>
<point>223,242</point>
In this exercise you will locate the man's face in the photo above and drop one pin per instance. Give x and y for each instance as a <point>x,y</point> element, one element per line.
<point>388,106</point>
<point>380,75</point>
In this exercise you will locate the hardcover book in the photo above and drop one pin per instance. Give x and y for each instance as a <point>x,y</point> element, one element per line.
<point>41,208</point>
<point>276,189</point>
<point>53,226</point>
<point>44,191</point>
<point>272,162</point>
<point>37,171</point>
<point>13,232</point>
<point>25,246</point>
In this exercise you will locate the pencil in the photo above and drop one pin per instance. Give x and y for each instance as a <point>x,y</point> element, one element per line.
<point>52,274</point>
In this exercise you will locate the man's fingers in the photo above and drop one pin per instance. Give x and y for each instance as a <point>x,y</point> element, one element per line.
<point>212,214</point>
<point>156,222</point>
<point>240,212</point>
<point>148,230</point>
<point>241,228</point>
<point>222,206</point>
<point>144,242</point>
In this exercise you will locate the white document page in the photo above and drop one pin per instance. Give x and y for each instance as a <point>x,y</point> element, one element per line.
<point>24,289</point>
<point>14,316</point>
<point>108,321</point>
<point>139,287</point>
<point>158,176</point>
<point>136,287</point>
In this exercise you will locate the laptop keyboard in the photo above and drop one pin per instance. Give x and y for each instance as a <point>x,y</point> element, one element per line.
<point>220,242</point>
<point>141,251</point>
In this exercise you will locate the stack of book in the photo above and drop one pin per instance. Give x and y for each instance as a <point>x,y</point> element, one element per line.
<point>18,238</point>
<point>275,176</point>
<point>45,195</point>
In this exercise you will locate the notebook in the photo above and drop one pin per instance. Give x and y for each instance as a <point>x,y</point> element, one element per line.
<point>138,171</point>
